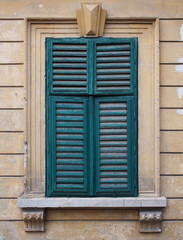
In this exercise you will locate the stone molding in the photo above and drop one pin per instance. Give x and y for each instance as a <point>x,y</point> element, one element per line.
<point>33,220</point>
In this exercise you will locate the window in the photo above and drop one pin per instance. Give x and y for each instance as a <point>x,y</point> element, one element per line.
<point>147,32</point>
<point>91,110</point>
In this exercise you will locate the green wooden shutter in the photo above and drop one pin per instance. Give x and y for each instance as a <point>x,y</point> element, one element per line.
<point>68,66</point>
<point>67,117</point>
<point>116,117</point>
<point>115,61</point>
<point>113,67</point>
<point>91,112</point>
<point>67,147</point>
<point>114,141</point>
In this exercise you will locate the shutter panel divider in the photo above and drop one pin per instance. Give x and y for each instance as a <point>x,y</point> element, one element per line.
<point>97,146</point>
<point>130,140</point>
<point>91,146</point>
<point>53,141</point>
<point>90,67</point>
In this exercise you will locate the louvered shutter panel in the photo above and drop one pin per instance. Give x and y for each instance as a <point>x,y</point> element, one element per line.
<point>114,66</point>
<point>68,144</point>
<point>68,66</point>
<point>114,134</point>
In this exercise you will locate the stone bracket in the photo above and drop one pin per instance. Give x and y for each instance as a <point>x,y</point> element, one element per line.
<point>150,220</point>
<point>34,219</point>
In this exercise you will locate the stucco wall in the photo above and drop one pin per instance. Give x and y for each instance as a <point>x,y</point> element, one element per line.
<point>89,224</point>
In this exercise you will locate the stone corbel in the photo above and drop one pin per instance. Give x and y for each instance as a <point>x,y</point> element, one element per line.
<point>91,19</point>
<point>33,220</point>
<point>150,221</point>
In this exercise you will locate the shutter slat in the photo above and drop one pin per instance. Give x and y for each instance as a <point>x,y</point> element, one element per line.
<point>108,157</point>
<point>118,125</point>
<point>69,66</point>
<point>116,47</point>
<point>112,60</point>
<point>66,155</point>
<point>69,78</point>
<point>104,162</point>
<point>70,72</point>
<point>69,137</point>
<point>113,77</point>
<point>73,111</point>
<point>72,131</point>
<point>119,113</point>
<point>108,181</point>
<point>69,187</point>
<point>67,47</point>
<point>71,149</point>
<point>113,54</point>
<point>113,168</point>
<point>69,60</point>
<point>109,137</point>
<point>107,85</point>
<point>70,54</point>
<point>113,175</point>
<point>113,71</point>
<point>115,65</point>
<point>69,168</point>
<point>71,180</point>
<point>68,162</point>
<point>113,150</point>
<point>68,124</point>
<point>72,174</point>
<point>69,118</point>
<point>108,144</point>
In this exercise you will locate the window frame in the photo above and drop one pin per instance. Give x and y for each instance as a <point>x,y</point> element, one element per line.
<point>147,30</point>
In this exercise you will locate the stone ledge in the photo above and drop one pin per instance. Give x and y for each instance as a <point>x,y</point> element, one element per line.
<point>136,202</point>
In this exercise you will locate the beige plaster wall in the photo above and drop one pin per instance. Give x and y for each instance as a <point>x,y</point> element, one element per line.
<point>89,224</point>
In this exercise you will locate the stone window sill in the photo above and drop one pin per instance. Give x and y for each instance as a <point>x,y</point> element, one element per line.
<point>103,202</point>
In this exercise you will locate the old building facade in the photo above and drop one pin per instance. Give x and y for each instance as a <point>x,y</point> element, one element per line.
<point>152,208</point>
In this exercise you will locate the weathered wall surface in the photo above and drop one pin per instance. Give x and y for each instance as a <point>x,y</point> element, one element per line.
<point>89,224</point>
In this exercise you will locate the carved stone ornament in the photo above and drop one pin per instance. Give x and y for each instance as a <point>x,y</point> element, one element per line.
<point>33,220</point>
<point>91,19</point>
<point>150,221</point>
